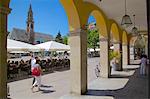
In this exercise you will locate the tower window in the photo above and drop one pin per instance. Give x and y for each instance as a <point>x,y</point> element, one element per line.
<point>32,26</point>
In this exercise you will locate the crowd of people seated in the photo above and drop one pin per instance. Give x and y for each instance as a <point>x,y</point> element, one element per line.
<point>16,68</point>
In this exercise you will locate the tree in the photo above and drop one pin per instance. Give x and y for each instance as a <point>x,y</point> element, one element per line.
<point>65,40</point>
<point>59,38</point>
<point>93,38</point>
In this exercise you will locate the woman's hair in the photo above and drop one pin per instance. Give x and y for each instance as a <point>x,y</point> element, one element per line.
<point>37,61</point>
<point>145,56</point>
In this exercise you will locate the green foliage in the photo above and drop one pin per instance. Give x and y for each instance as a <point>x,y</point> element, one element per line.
<point>115,54</point>
<point>93,39</point>
<point>59,38</point>
<point>65,40</point>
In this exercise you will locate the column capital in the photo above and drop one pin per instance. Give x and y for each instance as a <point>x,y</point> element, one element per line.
<point>116,42</point>
<point>103,39</point>
<point>77,32</point>
<point>124,44</point>
<point>4,10</point>
<point>131,45</point>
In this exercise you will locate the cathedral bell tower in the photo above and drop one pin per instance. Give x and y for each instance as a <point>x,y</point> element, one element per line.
<point>30,26</point>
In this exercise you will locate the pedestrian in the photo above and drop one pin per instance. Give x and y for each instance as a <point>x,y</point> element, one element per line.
<point>97,71</point>
<point>36,73</point>
<point>143,65</point>
<point>33,61</point>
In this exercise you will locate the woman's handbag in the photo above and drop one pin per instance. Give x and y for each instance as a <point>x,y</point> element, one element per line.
<point>36,72</point>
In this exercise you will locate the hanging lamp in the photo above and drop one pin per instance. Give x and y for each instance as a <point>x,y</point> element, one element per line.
<point>126,20</point>
<point>134,29</point>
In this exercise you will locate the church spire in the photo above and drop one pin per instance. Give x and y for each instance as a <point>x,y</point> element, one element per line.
<point>30,14</point>
<point>30,25</point>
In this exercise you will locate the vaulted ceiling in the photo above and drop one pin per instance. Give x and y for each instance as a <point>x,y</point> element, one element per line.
<point>115,9</point>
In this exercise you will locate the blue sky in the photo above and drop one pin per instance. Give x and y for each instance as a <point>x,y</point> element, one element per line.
<point>49,16</point>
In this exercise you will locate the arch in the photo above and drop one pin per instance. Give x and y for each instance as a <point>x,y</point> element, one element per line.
<point>114,29</point>
<point>124,37</point>
<point>132,41</point>
<point>70,8</point>
<point>140,42</point>
<point>100,23</point>
<point>86,9</point>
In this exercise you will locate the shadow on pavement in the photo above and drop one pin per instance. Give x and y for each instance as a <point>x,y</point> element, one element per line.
<point>46,91</point>
<point>46,86</point>
<point>136,88</point>
<point>119,76</point>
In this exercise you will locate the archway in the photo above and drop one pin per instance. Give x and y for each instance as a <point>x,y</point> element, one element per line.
<point>85,10</point>
<point>79,81</point>
<point>131,48</point>
<point>115,42</point>
<point>104,42</point>
<point>125,48</point>
<point>93,50</point>
<point>139,47</point>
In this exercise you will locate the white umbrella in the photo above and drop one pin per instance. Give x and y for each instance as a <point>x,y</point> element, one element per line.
<point>92,50</point>
<point>18,52</point>
<point>53,46</point>
<point>13,45</point>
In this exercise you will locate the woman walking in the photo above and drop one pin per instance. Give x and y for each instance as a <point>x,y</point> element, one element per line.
<point>36,73</point>
<point>143,65</point>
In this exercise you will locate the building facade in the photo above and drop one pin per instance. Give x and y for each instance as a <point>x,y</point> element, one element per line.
<point>29,35</point>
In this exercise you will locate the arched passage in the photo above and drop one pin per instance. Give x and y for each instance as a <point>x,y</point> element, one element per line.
<point>79,71</point>
<point>78,47</point>
<point>125,48</point>
<point>104,42</point>
<point>102,26</point>
<point>131,47</point>
<point>115,40</point>
<point>139,46</point>
<point>85,9</point>
<point>114,31</point>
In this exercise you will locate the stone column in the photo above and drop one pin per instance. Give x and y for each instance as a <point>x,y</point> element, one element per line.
<point>118,47</point>
<point>131,52</point>
<point>128,54</point>
<point>146,48</point>
<point>105,70</point>
<point>3,51</point>
<point>78,48</point>
<point>125,54</point>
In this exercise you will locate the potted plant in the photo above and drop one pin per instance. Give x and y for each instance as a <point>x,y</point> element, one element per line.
<point>115,58</point>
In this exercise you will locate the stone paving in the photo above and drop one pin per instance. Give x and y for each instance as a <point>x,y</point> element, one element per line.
<point>126,84</point>
<point>135,88</point>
